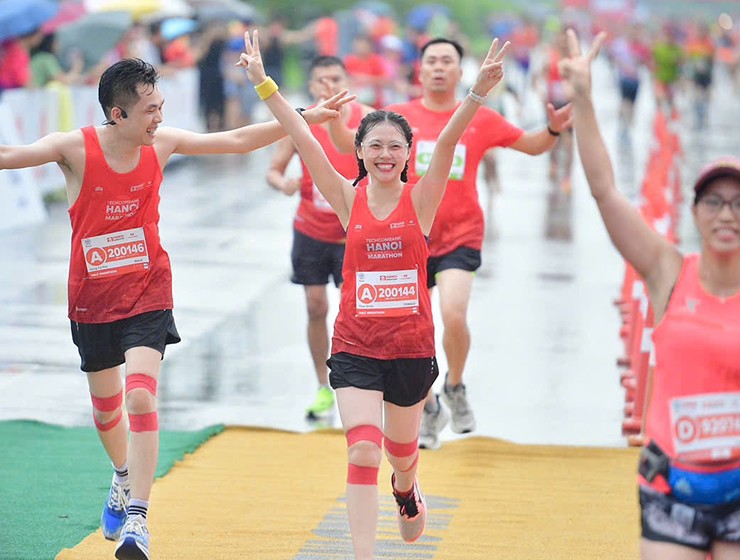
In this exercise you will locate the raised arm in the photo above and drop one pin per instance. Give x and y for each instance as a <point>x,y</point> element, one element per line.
<point>656,259</point>
<point>431,187</point>
<point>335,188</point>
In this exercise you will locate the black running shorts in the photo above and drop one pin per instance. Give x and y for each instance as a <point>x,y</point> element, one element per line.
<point>403,381</point>
<point>102,345</point>
<point>314,262</point>
<point>462,258</point>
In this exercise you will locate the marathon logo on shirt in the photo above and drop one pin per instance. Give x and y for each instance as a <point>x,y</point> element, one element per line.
<point>118,209</point>
<point>384,248</point>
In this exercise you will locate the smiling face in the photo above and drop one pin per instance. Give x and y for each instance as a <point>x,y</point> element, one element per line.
<point>717,215</point>
<point>384,150</point>
<point>143,117</point>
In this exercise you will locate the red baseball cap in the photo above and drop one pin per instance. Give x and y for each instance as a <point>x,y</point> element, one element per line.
<point>726,166</point>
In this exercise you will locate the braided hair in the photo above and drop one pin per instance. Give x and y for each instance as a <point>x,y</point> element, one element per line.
<point>370,121</point>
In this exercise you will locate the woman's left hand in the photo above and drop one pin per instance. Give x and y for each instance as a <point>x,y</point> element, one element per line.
<point>492,70</point>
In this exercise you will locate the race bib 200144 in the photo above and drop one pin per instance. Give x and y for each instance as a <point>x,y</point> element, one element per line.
<point>116,253</point>
<point>387,293</point>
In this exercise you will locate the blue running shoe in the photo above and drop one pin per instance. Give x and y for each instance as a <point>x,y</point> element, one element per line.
<point>134,541</point>
<point>114,511</point>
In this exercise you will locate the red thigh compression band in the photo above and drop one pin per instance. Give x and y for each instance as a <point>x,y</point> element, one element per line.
<point>107,404</point>
<point>357,474</point>
<point>149,421</point>
<point>402,450</point>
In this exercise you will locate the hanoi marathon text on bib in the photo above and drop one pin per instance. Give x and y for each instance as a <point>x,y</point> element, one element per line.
<point>115,253</point>
<point>391,293</point>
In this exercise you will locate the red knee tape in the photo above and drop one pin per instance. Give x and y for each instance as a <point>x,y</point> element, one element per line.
<point>413,464</point>
<point>401,449</point>
<point>107,404</point>
<point>141,381</point>
<point>108,425</point>
<point>362,475</point>
<point>366,432</point>
<point>148,422</point>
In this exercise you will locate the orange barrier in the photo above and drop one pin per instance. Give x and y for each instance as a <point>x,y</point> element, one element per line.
<point>660,204</point>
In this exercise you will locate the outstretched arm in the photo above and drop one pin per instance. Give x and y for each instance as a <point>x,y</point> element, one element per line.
<point>656,259</point>
<point>335,188</point>
<point>46,150</point>
<point>431,187</point>
<point>535,143</point>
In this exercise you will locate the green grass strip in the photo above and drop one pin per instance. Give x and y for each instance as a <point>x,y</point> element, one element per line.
<point>54,481</point>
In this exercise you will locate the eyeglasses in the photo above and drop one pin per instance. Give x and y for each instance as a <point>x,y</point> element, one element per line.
<point>395,149</point>
<point>714,204</point>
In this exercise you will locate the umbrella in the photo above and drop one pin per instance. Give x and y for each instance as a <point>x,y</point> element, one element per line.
<point>421,16</point>
<point>68,12</point>
<point>226,11</point>
<point>21,17</point>
<point>177,27</point>
<point>137,8</point>
<point>93,35</point>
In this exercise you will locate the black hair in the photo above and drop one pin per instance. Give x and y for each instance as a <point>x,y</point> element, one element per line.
<point>325,62</point>
<point>46,45</point>
<point>119,84</point>
<point>370,121</point>
<point>442,40</point>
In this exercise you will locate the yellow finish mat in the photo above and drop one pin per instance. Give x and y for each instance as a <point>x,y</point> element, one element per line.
<point>250,494</point>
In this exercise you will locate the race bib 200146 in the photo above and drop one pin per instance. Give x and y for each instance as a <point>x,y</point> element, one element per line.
<point>116,253</point>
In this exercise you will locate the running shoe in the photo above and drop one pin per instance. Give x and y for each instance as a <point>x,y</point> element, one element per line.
<point>412,512</point>
<point>134,541</point>
<point>463,420</point>
<point>432,423</point>
<point>114,511</point>
<point>323,404</point>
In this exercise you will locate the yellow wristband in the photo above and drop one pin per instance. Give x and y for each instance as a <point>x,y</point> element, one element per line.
<point>266,88</point>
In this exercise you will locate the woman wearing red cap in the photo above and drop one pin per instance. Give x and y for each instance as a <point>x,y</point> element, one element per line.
<point>689,473</point>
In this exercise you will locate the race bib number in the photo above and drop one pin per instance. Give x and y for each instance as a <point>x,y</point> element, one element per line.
<point>424,150</point>
<point>706,428</point>
<point>116,253</point>
<point>387,294</point>
<point>319,201</point>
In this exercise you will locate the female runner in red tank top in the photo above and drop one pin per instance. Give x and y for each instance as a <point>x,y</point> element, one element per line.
<point>689,472</point>
<point>382,362</point>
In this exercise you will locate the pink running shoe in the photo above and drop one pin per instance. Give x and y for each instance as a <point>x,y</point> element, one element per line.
<point>412,512</point>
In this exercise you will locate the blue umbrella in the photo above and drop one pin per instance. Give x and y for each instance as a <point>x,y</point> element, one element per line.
<point>21,17</point>
<point>377,7</point>
<point>177,27</point>
<point>93,35</point>
<point>421,16</point>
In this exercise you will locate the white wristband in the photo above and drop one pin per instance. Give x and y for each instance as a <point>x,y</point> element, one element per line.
<point>477,98</point>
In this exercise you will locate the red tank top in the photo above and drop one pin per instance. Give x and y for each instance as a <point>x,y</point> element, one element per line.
<point>694,411</point>
<point>385,311</point>
<point>459,221</point>
<point>117,267</point>
<point>315,217</point>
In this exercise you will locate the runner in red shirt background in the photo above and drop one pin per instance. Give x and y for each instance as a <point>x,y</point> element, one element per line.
<point>456,238</point>
<point>318,236</point>
<point>689,470</point>
<point>382,362</point>
<point>120,282</point>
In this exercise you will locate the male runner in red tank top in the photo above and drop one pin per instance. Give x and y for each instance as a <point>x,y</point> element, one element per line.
<point>456,238</point>
<point>318,236</point>
<point>120,284</point>
<point>689,470</point>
